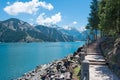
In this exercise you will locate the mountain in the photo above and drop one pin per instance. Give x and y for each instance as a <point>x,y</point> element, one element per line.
<point>53,33</point>
<point>77,35</point>
<point>15,30</point>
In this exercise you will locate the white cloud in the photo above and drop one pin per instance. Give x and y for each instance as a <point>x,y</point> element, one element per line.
<point>30,7</point>
<point>81,29</point>
<point>69,26</point>
<point>46,6</point>
<point>44,20</point>
<point>66,27</point>
<point>74,22</point>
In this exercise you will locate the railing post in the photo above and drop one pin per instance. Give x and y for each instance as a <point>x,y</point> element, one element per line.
<point>85,70</point>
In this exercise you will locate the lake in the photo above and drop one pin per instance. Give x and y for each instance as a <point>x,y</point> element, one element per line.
<point>19,58</point>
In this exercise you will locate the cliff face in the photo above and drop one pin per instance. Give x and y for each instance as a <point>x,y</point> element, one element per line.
<point>111,50</point>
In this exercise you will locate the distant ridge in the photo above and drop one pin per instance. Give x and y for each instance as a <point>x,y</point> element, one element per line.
<point>15,30</point>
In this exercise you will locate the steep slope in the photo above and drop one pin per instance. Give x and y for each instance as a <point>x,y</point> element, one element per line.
<point>15,30</point>
<point>54,34</point>
<point>110,47</point>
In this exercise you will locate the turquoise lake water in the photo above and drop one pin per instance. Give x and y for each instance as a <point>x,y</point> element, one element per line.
<point>19,58</point>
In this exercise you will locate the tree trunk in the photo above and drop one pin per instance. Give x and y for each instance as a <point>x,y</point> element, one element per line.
<point>95,34</point>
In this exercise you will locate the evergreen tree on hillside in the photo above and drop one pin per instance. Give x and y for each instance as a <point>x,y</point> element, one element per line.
<point>102,15</point>
<point>93,19</point>
<point>109,15</point>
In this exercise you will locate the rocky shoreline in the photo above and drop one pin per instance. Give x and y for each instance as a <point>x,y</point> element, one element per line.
<point>57,70</point>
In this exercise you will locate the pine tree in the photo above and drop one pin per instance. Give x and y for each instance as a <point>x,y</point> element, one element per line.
<point>102,15</point>
<point>93,19</point>
<point>109,15</point>
<point>105,17</point>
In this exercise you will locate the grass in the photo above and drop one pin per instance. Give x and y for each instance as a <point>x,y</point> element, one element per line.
<point>76,74</point>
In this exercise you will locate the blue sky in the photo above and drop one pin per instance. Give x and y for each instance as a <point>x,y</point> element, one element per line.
<point>61,12</point>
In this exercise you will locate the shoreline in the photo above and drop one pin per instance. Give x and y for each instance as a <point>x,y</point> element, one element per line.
<point>58,69</point>
<point>35,42</point>
<point>61,69</point>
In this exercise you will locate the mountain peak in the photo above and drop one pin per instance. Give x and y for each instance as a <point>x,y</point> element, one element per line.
<point>12,19</point>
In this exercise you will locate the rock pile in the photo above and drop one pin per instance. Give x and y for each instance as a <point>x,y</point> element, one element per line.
<point>57,70</point>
